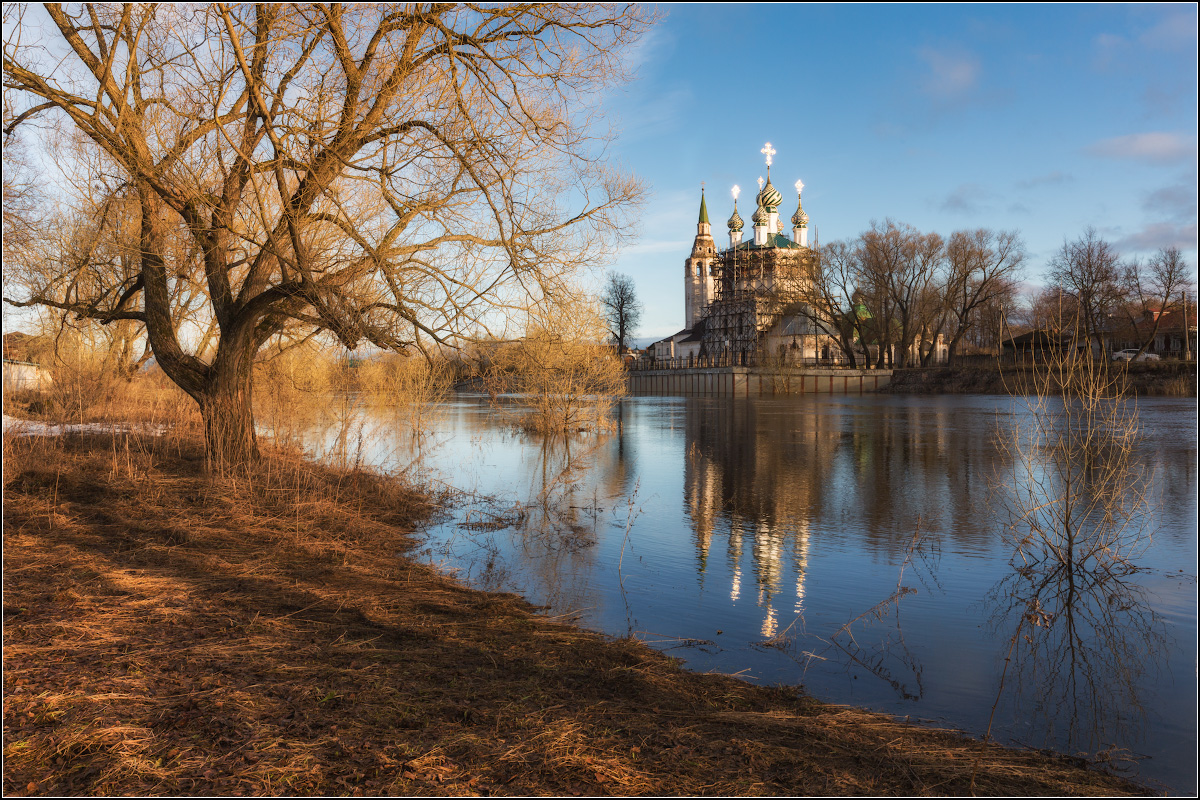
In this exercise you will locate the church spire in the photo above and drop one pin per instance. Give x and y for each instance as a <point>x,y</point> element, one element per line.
<point>703,228</point>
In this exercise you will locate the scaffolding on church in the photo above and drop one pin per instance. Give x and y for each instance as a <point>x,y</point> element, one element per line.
<point>755,288</point>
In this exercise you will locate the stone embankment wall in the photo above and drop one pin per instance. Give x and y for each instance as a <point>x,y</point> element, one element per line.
<point>755,382</point>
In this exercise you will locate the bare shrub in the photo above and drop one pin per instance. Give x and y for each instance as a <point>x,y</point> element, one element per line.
<point>565,374</point>
<point>294,383</point>
<point>1076,494</point>
<point>1076,501</point>
<point>90,382</point>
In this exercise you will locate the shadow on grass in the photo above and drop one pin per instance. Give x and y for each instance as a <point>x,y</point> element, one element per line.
<point>171,633</point>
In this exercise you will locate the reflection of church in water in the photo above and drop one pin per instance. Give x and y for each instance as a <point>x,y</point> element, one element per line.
<point>743,489</point>
<point>745,300</point>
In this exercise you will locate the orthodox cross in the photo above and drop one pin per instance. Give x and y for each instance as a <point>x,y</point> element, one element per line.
<point>736,190</point>
<point>760,183</point>
<point>768,151</point>
<point>799,186</point>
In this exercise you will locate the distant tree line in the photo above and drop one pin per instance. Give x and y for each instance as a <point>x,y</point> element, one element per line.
<point>1094,292</point>
<point>897,290</point>
<point>886,296</point>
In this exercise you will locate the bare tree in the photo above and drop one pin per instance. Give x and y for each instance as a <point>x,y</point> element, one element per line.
<point>828,298</point>
<point>1048,308</point>
<point>85,253</point>
<point>1079,508</point>
<point>621,309</point>
<point>899,267</point>
<point>880,252</point>
<point>991,321</point>
<point>1089,270</point>
<point>21,202</point>
<point>1153,290</point>
<point>393,174</point>
<point>983,265</point>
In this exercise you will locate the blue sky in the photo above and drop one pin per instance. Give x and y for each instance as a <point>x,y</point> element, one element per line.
<point>1043,118</point>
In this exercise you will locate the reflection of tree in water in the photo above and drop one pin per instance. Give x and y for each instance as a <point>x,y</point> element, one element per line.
<point>539,541</point>
<point>1078,503</point>
<point>1084,640</point>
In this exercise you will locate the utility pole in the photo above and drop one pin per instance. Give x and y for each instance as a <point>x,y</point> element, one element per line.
<point>1187,334</point>
<point>1000,334</point>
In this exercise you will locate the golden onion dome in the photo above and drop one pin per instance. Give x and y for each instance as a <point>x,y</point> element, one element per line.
<point>735,221</point>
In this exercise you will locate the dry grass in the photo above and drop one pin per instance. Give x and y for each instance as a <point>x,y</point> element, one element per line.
<point>171,633</point>
<point>149,399</point>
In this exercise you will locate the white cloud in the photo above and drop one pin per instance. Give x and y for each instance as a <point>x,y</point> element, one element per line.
<point>681,246</point>
<point>1171,32</point>
<point>1176,202</point>
<point>1111,51</point>
<point>1152,148</point>
<point>952,75</point>
<point>1157,235</point>
<point>965,199</point>
<point>1176,31</point>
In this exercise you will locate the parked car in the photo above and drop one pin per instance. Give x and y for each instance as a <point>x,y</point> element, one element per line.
<point>1128,355</point>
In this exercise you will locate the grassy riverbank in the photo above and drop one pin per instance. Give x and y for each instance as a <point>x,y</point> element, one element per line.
<point>1165,379</point>
<point>167,632</point>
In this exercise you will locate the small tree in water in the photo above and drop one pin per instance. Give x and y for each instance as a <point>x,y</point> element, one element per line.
<point>399,174</point>
<point>1077,502</point>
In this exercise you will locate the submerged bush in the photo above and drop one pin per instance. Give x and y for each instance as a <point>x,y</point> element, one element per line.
<point>568,378</point>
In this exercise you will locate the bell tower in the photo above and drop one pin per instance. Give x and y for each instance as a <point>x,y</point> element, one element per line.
<point>700,266</point>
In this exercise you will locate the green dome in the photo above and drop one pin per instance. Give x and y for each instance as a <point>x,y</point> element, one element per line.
<point>769,198</point>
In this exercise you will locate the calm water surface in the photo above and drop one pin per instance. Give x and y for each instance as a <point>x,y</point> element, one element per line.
<point>843,543</point>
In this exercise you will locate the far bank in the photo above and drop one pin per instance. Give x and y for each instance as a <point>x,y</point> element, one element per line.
<point>1151,379</point>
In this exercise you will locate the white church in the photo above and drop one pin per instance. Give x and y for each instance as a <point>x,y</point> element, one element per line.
<point>742,303</point>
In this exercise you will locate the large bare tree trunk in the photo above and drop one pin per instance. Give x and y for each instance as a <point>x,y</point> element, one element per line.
<point>229,421</point>
<point>225,402</point>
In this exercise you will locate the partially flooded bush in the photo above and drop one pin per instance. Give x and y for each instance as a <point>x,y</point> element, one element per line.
<point>409,379</point>
<point>567,377</point>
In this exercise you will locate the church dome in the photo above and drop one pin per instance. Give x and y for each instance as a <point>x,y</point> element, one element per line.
<point>800,218</point>
<point>761,217</point>
<point>735,222</point>
<point>769,198</point>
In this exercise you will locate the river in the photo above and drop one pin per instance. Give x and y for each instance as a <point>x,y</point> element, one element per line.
<point>851,545</point>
